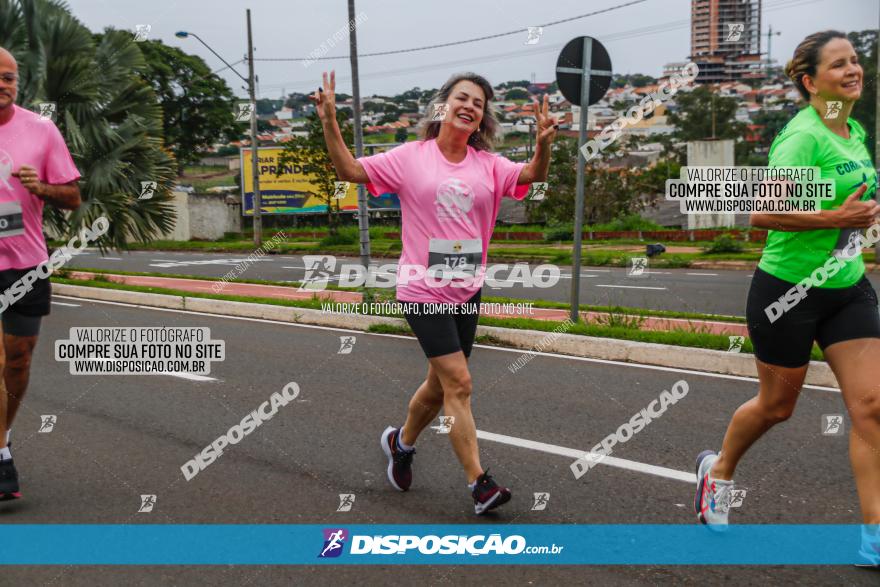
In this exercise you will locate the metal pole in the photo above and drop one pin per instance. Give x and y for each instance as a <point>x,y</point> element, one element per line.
<point>255,161</point>
<point>363,214</point>
<point>586,63</point>
<point>877,137</point>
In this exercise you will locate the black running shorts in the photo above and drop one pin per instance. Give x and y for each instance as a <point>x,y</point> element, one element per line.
<point>824,315</point>
<point>444,329</point>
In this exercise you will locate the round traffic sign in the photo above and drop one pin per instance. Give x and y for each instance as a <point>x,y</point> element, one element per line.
<point>570,70</point>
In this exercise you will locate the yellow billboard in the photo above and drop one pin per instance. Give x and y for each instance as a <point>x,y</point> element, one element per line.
<point>292,192</point>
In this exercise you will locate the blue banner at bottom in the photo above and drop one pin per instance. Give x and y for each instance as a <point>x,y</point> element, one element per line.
<point>529,544</point>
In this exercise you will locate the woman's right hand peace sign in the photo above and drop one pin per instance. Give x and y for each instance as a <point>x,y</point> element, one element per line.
<point>325,98</point>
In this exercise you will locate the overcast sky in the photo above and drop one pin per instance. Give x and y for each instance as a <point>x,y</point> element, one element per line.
<point>640,38</point>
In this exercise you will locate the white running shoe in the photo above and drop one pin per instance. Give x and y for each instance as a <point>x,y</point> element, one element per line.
<point>712,502</point>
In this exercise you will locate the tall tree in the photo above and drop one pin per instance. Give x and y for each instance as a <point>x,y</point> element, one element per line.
<point>110,118</point>
<point>197,106</point>
<point>311,151</point>
<point>700,111</point>
<point>865,110</point>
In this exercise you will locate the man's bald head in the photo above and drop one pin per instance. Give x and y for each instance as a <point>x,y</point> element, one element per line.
<point>8,79</point>
<point>7,61</point>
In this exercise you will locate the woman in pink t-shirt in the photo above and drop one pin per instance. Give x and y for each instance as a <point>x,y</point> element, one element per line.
<point>450,187</point>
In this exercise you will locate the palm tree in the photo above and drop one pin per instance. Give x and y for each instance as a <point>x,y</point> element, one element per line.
<point>109,116</point>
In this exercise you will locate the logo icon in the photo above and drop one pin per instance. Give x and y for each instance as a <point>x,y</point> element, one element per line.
<point>334,541</point>
<point>319,271</point>
<point>832,425</point>
<point>141,31</point>
<point>340,189</point>
<point>148,188</point>
<point>535,33</point>
<point>47,110</point>
<point>440,112</point>
<point>47,423</point>
<point>737,497</point>
<point>346,345</point>
<point>541,501</point>
<point>736,343</point>
<point>638,266</point>
<point>537,191</point>
<point>346,502</point>
<point>148,502</point>
<point>832,108</point>
<point>735,31</point>
<point>445,426</point>
<point>244,111</point>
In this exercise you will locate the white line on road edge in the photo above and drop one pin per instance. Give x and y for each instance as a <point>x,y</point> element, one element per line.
<point>577,454</point>
<point>482,346</point>
<point>111,258</point>
<point>709,274</point>
<point>630,286</point>
<point>63,304</point>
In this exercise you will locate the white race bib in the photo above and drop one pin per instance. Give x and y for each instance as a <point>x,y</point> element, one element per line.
<point>11,219</point>
<point>454,258</point>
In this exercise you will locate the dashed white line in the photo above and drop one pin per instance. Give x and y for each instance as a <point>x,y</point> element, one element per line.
<point>191,376</point>
<point>629,286</point>
<point>708,274</point>
<point>65,304</point>
<point>110,258</point>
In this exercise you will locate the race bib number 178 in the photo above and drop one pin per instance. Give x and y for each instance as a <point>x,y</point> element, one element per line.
<point>11,219</point>
<point>454,258</point>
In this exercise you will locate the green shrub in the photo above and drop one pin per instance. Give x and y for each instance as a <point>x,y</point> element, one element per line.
<point>628,222</point>
<point>558,232</point>
<point>723,243</point>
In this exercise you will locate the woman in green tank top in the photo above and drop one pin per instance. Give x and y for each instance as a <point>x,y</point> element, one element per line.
<point>810,285</point>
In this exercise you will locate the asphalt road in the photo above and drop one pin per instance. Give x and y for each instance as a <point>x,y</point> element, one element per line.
<point>684,290</point>
<point>118,437</point>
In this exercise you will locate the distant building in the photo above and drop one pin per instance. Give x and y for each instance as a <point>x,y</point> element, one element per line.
<point>726,39</point>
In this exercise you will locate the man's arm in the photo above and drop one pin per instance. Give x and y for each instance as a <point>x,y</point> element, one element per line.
<point>65,196</point>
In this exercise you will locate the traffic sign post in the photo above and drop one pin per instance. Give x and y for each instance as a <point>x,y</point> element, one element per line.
<point>583,75</point>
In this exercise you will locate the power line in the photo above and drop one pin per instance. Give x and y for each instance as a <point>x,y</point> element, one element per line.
<point>456,43</point>
<point>619,36</point>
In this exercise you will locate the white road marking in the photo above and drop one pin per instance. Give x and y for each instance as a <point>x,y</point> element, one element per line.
<point>629,286</point>
<point>64,304</point>
<point>111,258</point>
<point>707,274</point>
<point>482,346</point>
<point>576,454</point>
<point>191,376</point>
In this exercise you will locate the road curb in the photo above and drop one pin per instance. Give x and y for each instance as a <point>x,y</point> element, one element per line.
<point>710,361</point>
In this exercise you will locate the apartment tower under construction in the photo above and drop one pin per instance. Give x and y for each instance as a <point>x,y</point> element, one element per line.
<point>726,39</point>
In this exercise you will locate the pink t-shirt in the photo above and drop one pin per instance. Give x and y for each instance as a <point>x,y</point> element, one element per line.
<point>28,140</point>
<point>448,214</point>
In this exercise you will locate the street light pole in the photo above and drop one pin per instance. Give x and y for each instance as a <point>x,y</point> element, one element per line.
<point>255,160</point>
<point>363,212</point>
<point>258,220</point>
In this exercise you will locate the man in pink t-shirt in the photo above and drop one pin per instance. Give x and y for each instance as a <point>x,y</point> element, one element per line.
<point>35,168</point>
<point>450,187</point>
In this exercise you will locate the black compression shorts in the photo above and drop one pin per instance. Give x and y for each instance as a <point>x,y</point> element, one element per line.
<point>36,302</point>
<point>824,315</point>
<point>444,330</point>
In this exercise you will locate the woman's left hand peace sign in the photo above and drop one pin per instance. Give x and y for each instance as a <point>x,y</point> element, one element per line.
<point>546,124</point>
